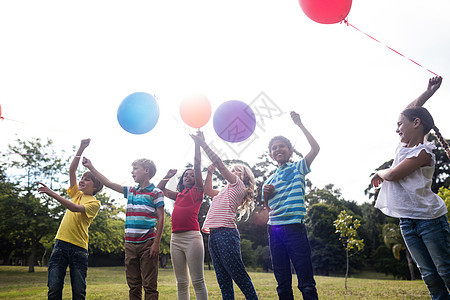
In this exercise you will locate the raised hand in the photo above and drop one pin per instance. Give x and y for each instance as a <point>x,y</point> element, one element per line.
<point>84,143</point>
<point>434,83</point>
<point>198,138</point>
<point>211,168</point>
<point>87,163</point>
<point>171,173</point>
<point>296,118</point>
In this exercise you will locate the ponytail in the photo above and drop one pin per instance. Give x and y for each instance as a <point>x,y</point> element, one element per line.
<point>442,141</point>
<point>428,123</point>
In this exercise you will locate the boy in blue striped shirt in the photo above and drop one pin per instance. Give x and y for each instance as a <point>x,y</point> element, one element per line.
<point>145,209</point>
<point>284,198</point>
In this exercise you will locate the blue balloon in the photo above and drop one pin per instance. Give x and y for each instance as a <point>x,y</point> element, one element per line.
<point>234,121</point>
<point>138,113</point>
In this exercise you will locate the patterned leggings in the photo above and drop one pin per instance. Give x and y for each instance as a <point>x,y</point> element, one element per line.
<point>225,250</point>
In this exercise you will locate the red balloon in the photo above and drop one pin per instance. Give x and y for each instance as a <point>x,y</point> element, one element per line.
<point>326,11</point>
<point>195,110</point>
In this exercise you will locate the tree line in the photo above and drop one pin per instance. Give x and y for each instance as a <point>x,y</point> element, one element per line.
<point>28,221</point>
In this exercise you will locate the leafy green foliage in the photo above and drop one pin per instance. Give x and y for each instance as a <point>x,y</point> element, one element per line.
<point>106,233</point>
<point>164,247</point>
<point>346,227</point>
<point>444,193</point>
<point>29,221</point>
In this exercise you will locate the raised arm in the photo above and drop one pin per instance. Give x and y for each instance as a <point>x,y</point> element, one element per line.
<point>76,160</point>
<point>114,186</point>
<point>315,148</point>
<point>216,160</point>
<point>433,85</point>
<point>162,185</point>
<point>208,189</point>
<point>198,168</point>
<point>65,202</point>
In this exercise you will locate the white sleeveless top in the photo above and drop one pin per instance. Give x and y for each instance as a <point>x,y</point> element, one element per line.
<point>411,197</point>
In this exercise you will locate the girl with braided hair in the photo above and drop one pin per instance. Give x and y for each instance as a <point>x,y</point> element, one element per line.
<point>237,197</point>
<point>406,194</point>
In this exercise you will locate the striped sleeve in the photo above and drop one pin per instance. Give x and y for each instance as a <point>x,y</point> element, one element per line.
<point>158,197</point>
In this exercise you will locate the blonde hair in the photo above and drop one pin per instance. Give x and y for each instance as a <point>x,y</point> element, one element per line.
<point>146,164</point>
<point>248,204</point>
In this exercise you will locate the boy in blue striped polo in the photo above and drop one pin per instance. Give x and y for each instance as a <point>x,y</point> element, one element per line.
<point>284,198</point>
<point>145,209</point>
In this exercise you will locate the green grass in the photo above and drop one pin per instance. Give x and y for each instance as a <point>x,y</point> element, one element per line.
<point>110,283</point>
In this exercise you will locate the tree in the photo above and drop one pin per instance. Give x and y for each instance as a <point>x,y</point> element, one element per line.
<point>444,193</point>
<point>26,221</point>
<point>325,246</point>
<point>346,227</point>
<point>328,195</point>
<point>372,221</point>
<point>371,191</point>
<point>164,246</point>
<point>106,232</point>
<point>323,209</point>
<point>262,257</point>
<point>393,238</point>
<point>247,252</point>
<point>35,161</point>
<point>34,217</point>
<point>441,176</point>
<point>8,195</point>
<point>384,262</point>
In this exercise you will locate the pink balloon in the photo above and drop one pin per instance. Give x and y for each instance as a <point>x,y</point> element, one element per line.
<point>326,11</point>
<point>195,110</point>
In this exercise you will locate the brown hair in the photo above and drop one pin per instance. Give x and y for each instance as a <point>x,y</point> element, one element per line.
<point>419,112</point>
<point>97,184</point>
<point>146,164</point>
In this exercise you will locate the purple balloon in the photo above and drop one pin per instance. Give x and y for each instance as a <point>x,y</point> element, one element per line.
<point>234,121</point>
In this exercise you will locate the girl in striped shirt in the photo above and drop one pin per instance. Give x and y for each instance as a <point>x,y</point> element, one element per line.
<point>237,197</point>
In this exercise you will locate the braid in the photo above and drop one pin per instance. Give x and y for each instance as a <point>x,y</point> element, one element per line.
<point>441,139</point>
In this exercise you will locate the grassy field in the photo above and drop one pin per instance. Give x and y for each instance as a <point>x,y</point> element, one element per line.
<point>110,283</point>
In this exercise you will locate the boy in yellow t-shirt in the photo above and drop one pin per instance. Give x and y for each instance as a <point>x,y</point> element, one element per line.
<point>72,237</point>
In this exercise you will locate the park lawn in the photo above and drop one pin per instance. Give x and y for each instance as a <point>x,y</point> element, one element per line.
<point>110,283</point>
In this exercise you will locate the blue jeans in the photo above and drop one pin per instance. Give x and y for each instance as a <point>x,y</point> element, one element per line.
<point>289,243</point>
<point>225,250</point>
<point>66,254</point>
<point>428,242</point>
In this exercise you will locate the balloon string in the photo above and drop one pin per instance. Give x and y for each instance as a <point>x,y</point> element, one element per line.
<point>11,120</point>
<point>348,24</point>
<point>278,115</point>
